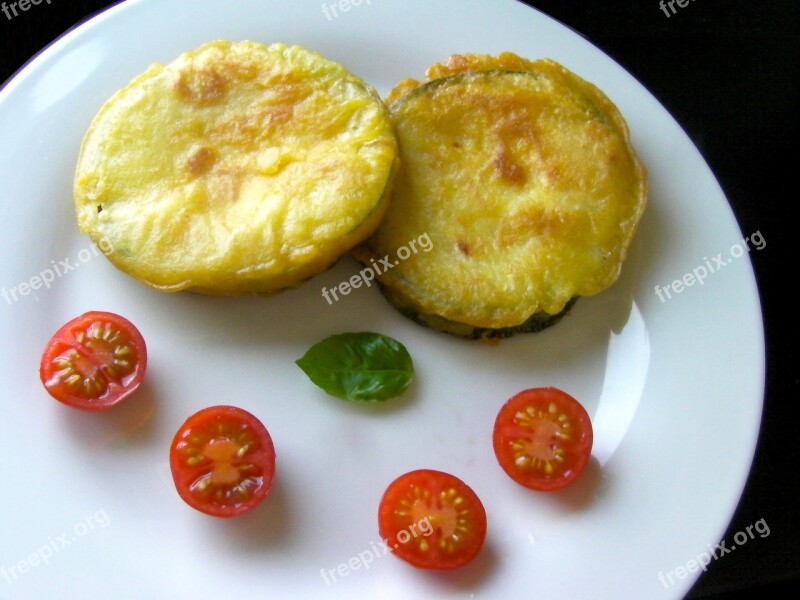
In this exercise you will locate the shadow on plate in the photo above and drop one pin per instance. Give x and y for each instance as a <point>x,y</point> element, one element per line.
<point>266,528</point>
<point>132,421</point>
<point>468,579</point>
<point>583,493</point>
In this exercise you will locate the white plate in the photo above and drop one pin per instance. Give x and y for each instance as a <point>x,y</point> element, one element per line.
<point>675,388</point>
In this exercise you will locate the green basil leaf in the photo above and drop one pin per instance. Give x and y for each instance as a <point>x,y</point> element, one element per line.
<point>359,366</point>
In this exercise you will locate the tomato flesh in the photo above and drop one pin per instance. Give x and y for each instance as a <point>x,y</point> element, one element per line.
<point>94,361</point>
<point>432,520</point>
<point>543,438</point>
<point>222,461</point>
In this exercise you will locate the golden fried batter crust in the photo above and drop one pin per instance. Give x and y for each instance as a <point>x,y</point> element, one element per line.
<point>237,168</point>
<point>523,176</point>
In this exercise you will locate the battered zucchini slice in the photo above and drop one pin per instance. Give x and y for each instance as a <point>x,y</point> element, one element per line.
<point>237,168</point>
<point>523,177</point>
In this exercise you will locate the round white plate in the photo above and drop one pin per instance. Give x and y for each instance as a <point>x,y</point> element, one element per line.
<point>674,386</point>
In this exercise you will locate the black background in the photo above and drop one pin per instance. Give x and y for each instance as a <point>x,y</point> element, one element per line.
<point>725,70</point>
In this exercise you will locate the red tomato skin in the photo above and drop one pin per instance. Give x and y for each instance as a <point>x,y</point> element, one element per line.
<point>579,451</point>
<point>183,477</point>
<point>390,524</point>
<point>62,340</point>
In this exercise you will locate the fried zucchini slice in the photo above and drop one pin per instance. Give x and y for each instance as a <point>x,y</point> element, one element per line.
<point>523,176</point>
<point>238,168</point>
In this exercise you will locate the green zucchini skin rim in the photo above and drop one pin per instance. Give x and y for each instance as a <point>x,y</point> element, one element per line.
<point>585,101</point>
<point>427,86</point>
<point>535,323</point>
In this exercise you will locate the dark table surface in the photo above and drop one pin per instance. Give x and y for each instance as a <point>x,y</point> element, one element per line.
<point>726,70</point>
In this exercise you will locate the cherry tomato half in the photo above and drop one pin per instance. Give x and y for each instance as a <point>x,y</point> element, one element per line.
<point>222,461</point>
<point>543,438</point>
<point>432,520</point>
<point>94,362</point>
